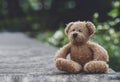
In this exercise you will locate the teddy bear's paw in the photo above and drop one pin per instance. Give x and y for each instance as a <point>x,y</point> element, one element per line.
<point>96,67</point>
<point>68,65</point>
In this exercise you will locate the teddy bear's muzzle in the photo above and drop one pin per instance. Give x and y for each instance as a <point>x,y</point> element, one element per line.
<point>75,35</point>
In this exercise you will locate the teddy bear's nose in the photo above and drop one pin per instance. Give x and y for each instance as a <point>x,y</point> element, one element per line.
<point>75,35</point>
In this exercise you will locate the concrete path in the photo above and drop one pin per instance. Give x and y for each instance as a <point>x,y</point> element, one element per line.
<point>23,59</point>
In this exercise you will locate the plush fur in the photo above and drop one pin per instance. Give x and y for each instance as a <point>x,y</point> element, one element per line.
<point>85,55</point>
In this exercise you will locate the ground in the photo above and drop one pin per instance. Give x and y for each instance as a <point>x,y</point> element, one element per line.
<point>23,59</point>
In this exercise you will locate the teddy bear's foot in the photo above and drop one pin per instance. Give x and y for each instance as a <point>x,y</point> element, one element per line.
<point>68,65</point>
<point>96,67</point>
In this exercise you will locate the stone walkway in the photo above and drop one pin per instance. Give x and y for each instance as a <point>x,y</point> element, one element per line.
<point>23,59</point>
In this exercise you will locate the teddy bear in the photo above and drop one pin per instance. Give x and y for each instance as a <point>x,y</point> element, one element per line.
<point>85,56</point>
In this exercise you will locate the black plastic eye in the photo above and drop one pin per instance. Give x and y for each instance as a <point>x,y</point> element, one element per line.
<point>80,31</point>
<point>73,30</point>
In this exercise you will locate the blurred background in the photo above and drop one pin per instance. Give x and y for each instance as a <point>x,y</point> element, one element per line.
<point>45,21</point>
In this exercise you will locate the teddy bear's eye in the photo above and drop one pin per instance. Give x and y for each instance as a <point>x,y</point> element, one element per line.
<point>79,30</point>
<point>73,30</point>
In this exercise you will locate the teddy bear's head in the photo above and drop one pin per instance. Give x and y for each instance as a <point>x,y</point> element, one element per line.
<point>79,32</point>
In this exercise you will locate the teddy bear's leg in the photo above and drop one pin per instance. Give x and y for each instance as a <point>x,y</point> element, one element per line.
<point>96,67</point>
<point>68,65</point>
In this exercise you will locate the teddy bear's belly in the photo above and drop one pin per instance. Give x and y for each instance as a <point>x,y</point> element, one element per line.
<point>81,56</point>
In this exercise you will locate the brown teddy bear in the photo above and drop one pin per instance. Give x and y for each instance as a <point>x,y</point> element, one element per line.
<point>85,55</point>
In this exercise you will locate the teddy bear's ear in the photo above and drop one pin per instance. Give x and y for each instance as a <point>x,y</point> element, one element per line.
<point>68,27</point>
<point>91,28</point>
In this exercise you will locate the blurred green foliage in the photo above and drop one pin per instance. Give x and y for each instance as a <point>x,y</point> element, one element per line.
<point>106,35</point>
<point>38,15</point>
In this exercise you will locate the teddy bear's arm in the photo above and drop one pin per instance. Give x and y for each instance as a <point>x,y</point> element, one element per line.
<point>100,57</point>
<point>63,52</point>
<point>99,53</point>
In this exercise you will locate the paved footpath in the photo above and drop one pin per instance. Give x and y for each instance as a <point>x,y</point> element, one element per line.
<point>23,59</point>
